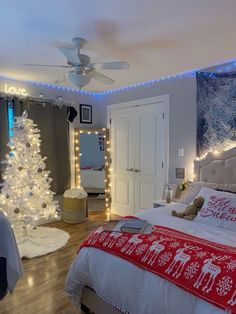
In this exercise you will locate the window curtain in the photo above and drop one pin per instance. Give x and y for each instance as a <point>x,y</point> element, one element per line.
<point>4,139</point>
<point>52,123</point>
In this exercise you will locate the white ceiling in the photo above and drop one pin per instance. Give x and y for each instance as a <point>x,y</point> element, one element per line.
<point>157,37</point>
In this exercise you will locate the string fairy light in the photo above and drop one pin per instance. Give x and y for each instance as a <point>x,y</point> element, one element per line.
<point>214,152</point>
<point>107,167</point>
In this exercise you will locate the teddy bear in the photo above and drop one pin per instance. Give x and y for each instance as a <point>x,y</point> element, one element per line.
<point>191,211</point>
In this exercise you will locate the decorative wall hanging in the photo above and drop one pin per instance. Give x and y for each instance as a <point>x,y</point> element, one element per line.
<point>216,112</point>
<point>85,114</point>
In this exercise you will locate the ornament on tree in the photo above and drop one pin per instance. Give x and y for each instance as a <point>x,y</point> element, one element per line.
<point>36,204</point>
<point>20,128</point>
<point>17,210</point>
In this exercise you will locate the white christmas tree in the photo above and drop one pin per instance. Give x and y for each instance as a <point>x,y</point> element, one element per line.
<point>25,194</point>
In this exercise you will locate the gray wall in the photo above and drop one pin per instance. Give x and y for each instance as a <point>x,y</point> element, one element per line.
<point>183,119</point>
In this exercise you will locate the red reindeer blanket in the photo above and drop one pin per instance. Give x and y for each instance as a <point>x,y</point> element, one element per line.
<point>203,268</point>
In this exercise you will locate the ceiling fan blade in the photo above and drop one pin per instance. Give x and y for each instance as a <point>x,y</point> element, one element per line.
<point>47,65</point>
<point>82,43</point>
<point>58,44</point>
<point>61,79</point>
<point>110,65</point>
<point>70,54</point>
<point>99,77</point>
<point>79,80</point>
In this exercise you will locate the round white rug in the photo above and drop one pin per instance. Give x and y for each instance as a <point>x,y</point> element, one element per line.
<point>41,241</point>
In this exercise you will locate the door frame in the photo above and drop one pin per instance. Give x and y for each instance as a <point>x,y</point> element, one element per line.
<point>142,102</point>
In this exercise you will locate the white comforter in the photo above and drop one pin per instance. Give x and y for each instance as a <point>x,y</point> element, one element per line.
<point>134,290</point>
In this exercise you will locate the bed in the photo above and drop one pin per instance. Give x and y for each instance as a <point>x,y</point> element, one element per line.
<point>105,283</point>
<point>93,180</point>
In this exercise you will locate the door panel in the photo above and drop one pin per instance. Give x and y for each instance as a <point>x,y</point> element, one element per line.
<point>122,189</point>
<point>122,160</point>
<point>147,130</point>
<point>151,155</point>
<point>147,193</point>
<point>122,143</point>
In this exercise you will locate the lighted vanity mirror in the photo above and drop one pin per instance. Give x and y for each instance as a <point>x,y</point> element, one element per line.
<point>92,156</point>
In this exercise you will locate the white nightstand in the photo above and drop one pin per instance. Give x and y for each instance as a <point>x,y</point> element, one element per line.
<point>161,203</point>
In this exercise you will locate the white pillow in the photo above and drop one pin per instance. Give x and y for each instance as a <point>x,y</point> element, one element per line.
<point>194,188</point>
<point>219,209</point>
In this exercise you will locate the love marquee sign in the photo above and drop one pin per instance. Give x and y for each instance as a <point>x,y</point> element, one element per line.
<point>15,90</point>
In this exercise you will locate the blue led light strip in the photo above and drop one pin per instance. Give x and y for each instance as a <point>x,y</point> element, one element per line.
<point>147,83</point>
<point>223,66</point>
<point>10,117</point>
<point>48,85</point>
<point>99,94</point>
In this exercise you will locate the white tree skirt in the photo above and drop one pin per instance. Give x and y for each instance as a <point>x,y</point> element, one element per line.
<point>41,241</point>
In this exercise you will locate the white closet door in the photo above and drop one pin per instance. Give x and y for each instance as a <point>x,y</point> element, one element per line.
<point>122,152</point>
<point>139,153</point>
<point>150,154</point>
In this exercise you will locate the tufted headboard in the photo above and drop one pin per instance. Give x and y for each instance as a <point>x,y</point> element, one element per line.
<point>217,167</point>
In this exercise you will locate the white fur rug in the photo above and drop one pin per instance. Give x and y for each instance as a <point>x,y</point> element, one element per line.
<point>41,241</point>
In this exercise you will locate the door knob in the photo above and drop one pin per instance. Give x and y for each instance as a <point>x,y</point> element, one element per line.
<point>131,169</point>
<point>136,170</point>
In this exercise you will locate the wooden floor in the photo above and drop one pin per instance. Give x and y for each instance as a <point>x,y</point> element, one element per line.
<point>94,203</point>
<point>41,290</point>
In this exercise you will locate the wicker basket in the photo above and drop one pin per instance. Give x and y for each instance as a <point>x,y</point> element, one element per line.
<point>74,210</point>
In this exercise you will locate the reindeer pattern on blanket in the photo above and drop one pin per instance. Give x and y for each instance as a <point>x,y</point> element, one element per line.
<point>205,268</point>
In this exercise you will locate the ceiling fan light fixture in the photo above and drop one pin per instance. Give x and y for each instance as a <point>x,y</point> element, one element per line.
<point>79,80</point>
<point>79,42</point>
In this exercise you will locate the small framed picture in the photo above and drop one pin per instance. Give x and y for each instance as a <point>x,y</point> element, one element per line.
<point>85,113</point>
<point>169,188</point>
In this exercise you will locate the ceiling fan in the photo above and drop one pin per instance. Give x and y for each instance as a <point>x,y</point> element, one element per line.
<point>83,70</point>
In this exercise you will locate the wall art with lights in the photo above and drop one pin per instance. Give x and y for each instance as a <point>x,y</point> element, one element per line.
<point>216,112</point>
